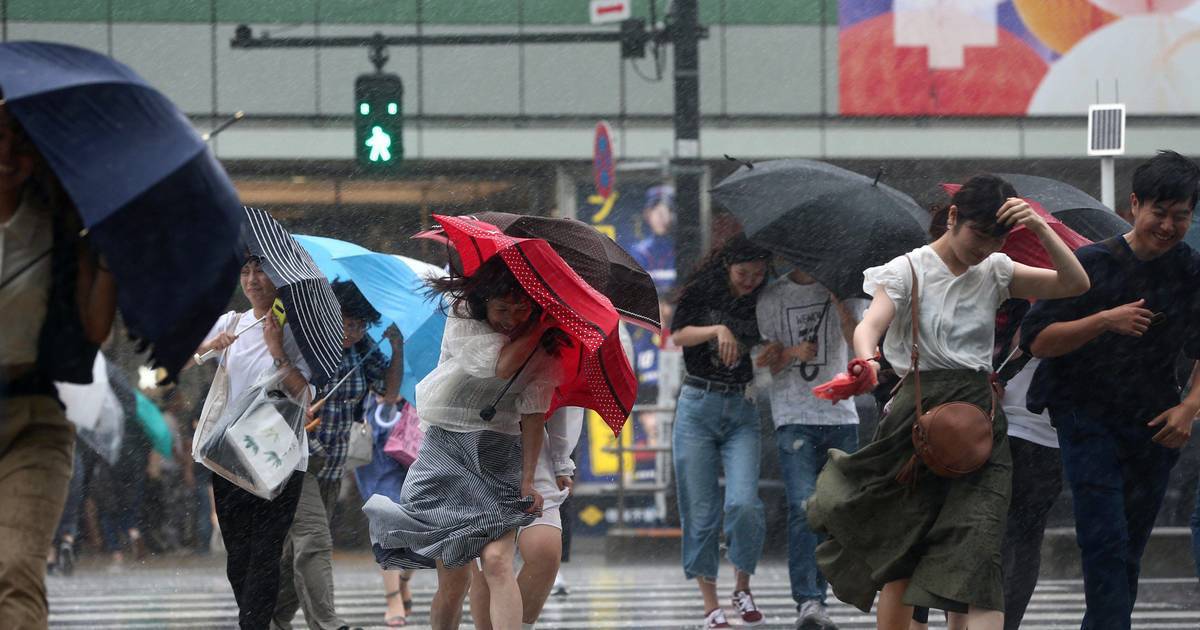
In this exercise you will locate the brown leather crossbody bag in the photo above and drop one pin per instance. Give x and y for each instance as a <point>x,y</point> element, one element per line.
<point>953,439</point>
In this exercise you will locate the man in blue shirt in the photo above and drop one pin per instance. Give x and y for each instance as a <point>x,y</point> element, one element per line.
<point>1109,381</point>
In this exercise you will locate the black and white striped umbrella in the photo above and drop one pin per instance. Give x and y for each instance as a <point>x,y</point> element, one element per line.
<point>313,314</point>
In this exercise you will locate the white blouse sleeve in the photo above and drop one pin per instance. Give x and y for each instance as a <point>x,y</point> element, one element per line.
<point>538,392</point>
<point>895,278</point>
<point>1002,269</point>
<point>536,396</point>
<point>474,344</point>
<point>562,434</point>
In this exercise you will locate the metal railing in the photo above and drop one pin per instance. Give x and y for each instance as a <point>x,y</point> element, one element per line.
<point>663,467</point>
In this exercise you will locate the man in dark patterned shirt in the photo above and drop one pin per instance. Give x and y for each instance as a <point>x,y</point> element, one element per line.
<point>306,573</point>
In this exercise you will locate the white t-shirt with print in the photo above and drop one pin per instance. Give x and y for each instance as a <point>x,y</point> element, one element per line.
<point>791,313</point>
<point>248,358</point>
<point>957,316</point>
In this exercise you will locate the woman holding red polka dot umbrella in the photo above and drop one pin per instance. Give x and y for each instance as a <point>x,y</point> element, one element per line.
<point>526,335</point>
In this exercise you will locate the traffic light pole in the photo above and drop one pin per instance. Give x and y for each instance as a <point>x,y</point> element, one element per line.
<point>684,31</point>
<point>688,169</point>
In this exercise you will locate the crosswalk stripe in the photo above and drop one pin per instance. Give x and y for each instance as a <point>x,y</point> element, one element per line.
<point>607,600</point>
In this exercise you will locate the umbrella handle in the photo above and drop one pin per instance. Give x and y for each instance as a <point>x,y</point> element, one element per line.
<point>367,355</point>
<point>489,412</point>
<point>201,358</point>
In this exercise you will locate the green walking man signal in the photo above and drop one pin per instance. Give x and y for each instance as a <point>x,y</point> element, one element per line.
<point>379,121</point>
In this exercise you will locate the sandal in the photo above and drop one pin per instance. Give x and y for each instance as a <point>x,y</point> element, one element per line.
<point>398,621</point>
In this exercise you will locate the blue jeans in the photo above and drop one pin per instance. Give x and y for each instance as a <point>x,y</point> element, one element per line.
<point>713,427</point>
<point>1118,479</point>
<point>803,450</point>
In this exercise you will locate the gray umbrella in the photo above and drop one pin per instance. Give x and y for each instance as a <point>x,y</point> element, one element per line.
<point>830,222</point>
<point>1051,193</point>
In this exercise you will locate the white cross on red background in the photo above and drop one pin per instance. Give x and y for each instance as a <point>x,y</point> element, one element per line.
<point>945,28</point>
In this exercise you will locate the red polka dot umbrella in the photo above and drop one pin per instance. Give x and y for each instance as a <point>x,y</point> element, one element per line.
<point>601,378</point>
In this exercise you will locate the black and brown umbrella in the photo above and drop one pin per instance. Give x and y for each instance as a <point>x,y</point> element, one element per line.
<point>313,314</point>
<point>598,259</point>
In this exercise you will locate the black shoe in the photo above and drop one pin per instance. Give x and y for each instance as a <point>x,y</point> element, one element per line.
<point>66,558</point>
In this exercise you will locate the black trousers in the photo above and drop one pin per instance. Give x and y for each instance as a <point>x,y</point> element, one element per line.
<point>1037,481</point>
<point>254,530</point>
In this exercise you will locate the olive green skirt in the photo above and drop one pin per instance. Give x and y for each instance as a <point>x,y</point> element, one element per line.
<point>943,535</point>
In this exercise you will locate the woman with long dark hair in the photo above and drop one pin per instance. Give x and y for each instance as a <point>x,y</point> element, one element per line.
<point>472,485</point>
<point>716,421</point>
<point>934,542</point>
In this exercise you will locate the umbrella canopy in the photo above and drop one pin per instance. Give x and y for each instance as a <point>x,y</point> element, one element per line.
<point>598,259</point>
<point>325,251</point>
<point>396,287</point>
<point>1023,246</point>
<point>1075,216</point>
<point>151,419</point>
<point>1093,224</point>
<point>313,314</point>
<point>1051,193</point>
<point>154,200</point>
<point>601,378</point>
<point>830,222</point>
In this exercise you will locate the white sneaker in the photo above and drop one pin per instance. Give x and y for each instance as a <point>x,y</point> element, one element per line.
<point>560,587</point>
<point>814,616</point>
<point>716,619</point>
<point>743,601</point>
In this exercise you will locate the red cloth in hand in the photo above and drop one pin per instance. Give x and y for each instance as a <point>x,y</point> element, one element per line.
<point>848,384</point>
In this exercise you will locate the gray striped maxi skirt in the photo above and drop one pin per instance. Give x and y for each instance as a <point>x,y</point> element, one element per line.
<point>463,492</point>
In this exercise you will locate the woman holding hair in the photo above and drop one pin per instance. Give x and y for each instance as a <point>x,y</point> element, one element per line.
<point>253,528</point>
<point>935,542</point>
<point>472,485</point>
<point>715,420</point>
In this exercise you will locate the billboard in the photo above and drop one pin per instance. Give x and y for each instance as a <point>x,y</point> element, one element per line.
<point>1016,57</point>
<point>640,216</point>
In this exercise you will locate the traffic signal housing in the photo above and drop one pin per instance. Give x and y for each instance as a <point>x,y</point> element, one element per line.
<point>379,121</point>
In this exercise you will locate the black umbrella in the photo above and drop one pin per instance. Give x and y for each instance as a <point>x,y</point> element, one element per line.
<point>597,259</point>
<point>1092,223</point>
<point>830,222</point>
<point>1052,194</point>
<point>313,314</point>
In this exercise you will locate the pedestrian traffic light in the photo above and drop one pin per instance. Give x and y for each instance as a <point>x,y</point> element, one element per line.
<point>379,121</point>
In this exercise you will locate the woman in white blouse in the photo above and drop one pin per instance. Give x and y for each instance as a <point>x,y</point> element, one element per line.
<point>473,484</point>
<point>935,543</point>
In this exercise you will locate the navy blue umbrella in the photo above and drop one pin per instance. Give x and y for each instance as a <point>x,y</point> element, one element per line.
<point>154,200</point>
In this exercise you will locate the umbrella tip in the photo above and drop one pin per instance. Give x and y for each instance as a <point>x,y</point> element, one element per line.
<point>748,165</point>
<point>878,174</point>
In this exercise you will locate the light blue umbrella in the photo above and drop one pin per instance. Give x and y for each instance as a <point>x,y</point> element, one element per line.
<point>395,286</point>
<point>324,251</point>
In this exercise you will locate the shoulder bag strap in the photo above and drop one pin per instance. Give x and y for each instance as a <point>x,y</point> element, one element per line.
<point>916,335</point>
<point>916,349</point>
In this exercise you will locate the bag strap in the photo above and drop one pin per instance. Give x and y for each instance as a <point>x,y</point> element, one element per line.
<point>915,369</point>
<point>916,349</point>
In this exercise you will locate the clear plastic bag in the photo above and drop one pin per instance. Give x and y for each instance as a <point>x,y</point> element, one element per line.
<point>259,438</point>
<point>106,435</point>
